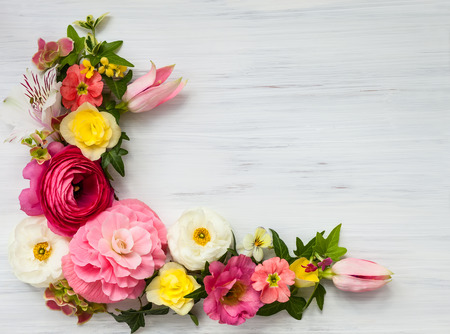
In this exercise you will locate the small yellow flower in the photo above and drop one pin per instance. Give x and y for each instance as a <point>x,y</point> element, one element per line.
<point>106,67</point>
<point>170,287</point>
<point>90,130</point>
<point>304,279</point>
<point>120,71</point>
<point>88,69</point>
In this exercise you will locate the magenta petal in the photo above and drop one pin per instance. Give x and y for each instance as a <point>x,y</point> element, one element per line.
<point>140,84</point>
<point>65,46</point>
<point>52,305</point>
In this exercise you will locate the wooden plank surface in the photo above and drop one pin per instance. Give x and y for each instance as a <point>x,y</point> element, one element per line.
<point>298,115</point>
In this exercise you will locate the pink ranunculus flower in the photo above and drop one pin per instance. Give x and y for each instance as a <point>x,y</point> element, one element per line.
<point>231,297</point>
<point>77,89</point>
<point>151,90</point>
<point>273,278</point>
<point>49,52</point>
<point>111,256</point>
<point>30,198</point>
<point>358,275</point>
<point>73,190</point>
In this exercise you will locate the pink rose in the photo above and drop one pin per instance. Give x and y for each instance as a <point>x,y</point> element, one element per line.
<point>111,256</point>
<point>73,190</point>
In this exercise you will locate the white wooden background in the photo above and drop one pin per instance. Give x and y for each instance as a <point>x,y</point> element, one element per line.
<point>298,115</point>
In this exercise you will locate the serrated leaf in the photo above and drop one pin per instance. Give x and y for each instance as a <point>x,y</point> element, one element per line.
<point>133,320</point>
<point>270,309</point>
<point>199,293</point>
<point>118,87</point>
<point>99,19</point>
<point>279,246</point>
<point>294,306</point>
<point>193,318</point>
<point>117,60</point>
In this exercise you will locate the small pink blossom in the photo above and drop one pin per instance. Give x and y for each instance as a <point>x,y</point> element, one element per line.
<point>231,297</point>
<point>272,278</point>
<point>151,90</point>
<point>111,256</point>
<point>49,52</point>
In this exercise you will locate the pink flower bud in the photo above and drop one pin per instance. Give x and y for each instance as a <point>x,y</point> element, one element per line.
<point>49,53</point>
<point>358,275</point>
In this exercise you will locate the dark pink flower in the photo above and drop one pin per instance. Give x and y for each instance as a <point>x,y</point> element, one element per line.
<point>111,256</point>
<point>30,198</point>
<point>231,297</point>
<point>273,278</point>
<point>49,53</point>
<point>77,89</point>
<point>73,190</point>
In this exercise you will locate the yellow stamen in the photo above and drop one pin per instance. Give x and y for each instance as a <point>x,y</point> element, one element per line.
<point>201,236</point>
<point>42,251</point>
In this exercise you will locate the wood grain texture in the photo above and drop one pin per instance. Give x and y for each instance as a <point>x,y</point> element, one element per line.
<point>298,115</point>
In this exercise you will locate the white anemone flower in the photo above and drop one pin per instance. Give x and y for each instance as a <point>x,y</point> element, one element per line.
<point>32,104</point>
<point>35,252</point>
<point>253,245</point>
<point>198,236</point>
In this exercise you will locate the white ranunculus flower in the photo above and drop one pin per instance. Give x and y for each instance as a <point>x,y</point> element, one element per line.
<point>35,252</point>
<point>198,236</point>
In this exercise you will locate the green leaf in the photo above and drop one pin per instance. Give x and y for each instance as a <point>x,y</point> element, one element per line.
<point>333,237</point>
<point>70,59</point>
<point>117,163</point>
<point>295,307</point>
<point>97,48</point>
<point>300,246</point>
<point>110,47</point>
<point>157,311</point>
<point>321,244</point>
<point>319,294</point>
<point>308,249</point>
<point>83,24</point>
<point>106,159</point>
<point>193,318</point>
<point>205,271</point>
<point>197,294</point>
<point>115,113</point>
<point>115,59</point>
<point>270,309</point>
<point>118,87</point>
<point>336,252</point>
<point>281,250</point>
<point>99,19</point>
<point>89,43</point>
<point>133,320</point>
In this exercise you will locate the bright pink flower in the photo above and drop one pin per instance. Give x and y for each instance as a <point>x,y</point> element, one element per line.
<point>76,89</point>
<point>111,256</point>
<point>231,298</point>
<point>149,91</point>
<point>49,53</point>
<point>30,198</point>
<point>73,190</point>
<point>272,278</point>
<point>358,275</point>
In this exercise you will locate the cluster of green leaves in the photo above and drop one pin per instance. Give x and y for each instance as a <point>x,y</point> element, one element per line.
<point>114,156</point>
<point>135,318</point>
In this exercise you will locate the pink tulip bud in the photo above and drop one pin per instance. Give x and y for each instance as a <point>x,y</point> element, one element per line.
<point>151,90</point>
<point>358,275</point>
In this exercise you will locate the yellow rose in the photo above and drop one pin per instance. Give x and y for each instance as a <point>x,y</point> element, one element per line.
<point>303,279</point>
<point>90,130</point>
<point>170,287</point>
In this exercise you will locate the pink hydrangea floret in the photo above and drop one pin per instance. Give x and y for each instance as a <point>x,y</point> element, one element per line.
<point>111,256</point>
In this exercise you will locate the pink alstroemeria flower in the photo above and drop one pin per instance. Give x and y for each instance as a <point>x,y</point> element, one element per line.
<point>49,53</point>
<point>358,275</point>
<point>151,90</point>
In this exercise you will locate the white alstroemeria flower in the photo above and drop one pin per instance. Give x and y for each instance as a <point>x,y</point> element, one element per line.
<point>198,236</point>
<point>32,104</point>
<point>253,245</point>
<point>35,252</point>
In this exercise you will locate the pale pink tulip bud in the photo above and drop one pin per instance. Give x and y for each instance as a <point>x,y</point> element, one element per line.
<point>358,275</point>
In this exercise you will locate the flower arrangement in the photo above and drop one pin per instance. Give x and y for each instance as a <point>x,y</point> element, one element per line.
<point>91,250</point>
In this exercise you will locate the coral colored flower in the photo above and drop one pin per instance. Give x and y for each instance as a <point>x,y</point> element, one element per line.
<point>358,275</point>
<point>35,252</point>
<point>231,297</point>
<point>272,278</point>
<point>253,245</point>
<point>90,130</point>
<point>77,89</point>
<point>149,91</point>
<point>50,52</point>
<point>304,277</point>
<point>170,287</point>
<point>73,190</point>
<point>112,255</point>
<point>198,236</point>
<point>61,297</point>
<point>30,198</point>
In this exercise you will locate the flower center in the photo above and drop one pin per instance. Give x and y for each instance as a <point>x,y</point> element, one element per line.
<point>42,251</point>
<point>258,242</point>
<point>273,279</point>
<point>234,295</point>
<point>82,88</point>
<point>201,236</point>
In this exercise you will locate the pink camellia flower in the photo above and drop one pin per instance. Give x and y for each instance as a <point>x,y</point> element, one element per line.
<point>272,278</point>
<point>231,297</point>
<point>73,190</point>
<point>30,198</point>
<point>111,256</point>
<point>149,91</point>
<point>358,275</point>
<point>49,53</point>
<point>77,89</point>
